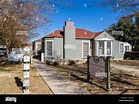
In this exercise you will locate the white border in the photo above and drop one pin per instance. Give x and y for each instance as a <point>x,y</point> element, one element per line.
<point>123,47</point>
<point>88,47</point>
<point>52,47</point>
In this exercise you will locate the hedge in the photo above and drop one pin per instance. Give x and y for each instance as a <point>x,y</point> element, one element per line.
<point>134,55</point>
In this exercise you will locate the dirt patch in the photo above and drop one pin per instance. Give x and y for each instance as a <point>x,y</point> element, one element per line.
<point>127,63</point>
<point>11,80</point>
<point>122,82</point>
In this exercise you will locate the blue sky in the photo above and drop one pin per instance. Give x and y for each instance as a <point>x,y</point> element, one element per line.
<point>90,18</point>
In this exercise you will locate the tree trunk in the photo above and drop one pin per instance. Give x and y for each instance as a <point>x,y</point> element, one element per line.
<point>7,48</point>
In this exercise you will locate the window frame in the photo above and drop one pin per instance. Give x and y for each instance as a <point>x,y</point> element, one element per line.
<point>122,48</point>
<point>105,47</point>
<point>47,49</point>
<point>83,48</point>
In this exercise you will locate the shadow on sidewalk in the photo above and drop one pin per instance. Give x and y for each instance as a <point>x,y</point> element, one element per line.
<point>37,57</point>
<point>18,82</point>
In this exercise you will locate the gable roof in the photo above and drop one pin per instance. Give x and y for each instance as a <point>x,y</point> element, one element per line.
<point>97,34</point>
<point>83,34</point>
<point>38,40</point>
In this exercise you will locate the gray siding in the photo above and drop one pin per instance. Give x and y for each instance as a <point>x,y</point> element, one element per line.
<point>104,35</point>
<point>69,41</point>
<point>58,48</point>
<point>115,52</point>
<point>79,45</point>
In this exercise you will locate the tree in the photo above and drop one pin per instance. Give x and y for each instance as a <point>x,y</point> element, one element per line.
<point>125,6</point>
<point>24,15</point>
<point>129,29</point>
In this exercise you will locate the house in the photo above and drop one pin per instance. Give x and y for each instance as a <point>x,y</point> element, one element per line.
<point>128,47</point>
<point>36,46</point>
<point>77,43</point>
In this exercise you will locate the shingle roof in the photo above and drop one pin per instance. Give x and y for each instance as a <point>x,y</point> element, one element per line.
<point>27,44</point>
<point>57,33</point>
<point>39,40</point>
<point>83,34</point>
<point>80,34</point>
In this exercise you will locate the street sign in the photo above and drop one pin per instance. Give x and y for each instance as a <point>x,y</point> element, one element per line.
<point>26,58</point>
<point>26,49</point>
<point>26,74</point>
<point>25,83</point>
<point>26,66</point>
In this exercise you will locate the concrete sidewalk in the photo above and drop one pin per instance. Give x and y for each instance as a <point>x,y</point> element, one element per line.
<point>57,83</point>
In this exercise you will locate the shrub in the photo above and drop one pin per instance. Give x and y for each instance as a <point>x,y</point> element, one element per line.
<point>55,63</point>
<point>134,55</point>
<point>71,62</point>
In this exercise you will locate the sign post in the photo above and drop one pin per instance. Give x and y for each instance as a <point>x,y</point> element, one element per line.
<point>88,74</point>
<point>26,70</point>
<point>108,73</point>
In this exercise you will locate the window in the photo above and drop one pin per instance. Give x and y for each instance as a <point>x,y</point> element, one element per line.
<point>49,49</point>
<point>101,48</point>
<point>109,48</point>
<point>85,49</point>
<point>104,48</point>
<point>121,47</point>
<point>127,48</point>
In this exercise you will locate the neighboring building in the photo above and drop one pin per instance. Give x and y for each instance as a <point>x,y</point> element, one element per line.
<point>77,43</point>
<point>37,45</point>
<point>128,47</point>
<point>2,50</point>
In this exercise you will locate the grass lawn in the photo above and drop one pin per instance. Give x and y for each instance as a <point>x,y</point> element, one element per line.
<point>11,80</point>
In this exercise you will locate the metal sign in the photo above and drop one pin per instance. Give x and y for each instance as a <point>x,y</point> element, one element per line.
<point>26,66</point>
<point>26,49</point>
<point>26,74</point>
<point>97,67</point>
<point>26,58</point>
<point>25,83</point>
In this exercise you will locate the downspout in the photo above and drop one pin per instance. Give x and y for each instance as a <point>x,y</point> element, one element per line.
<point>92,41</point>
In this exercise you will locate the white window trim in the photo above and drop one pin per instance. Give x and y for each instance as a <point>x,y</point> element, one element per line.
<point>105,48</point>
<point>52,46</point>
<point>88,47</point>
<point>120,47</point>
